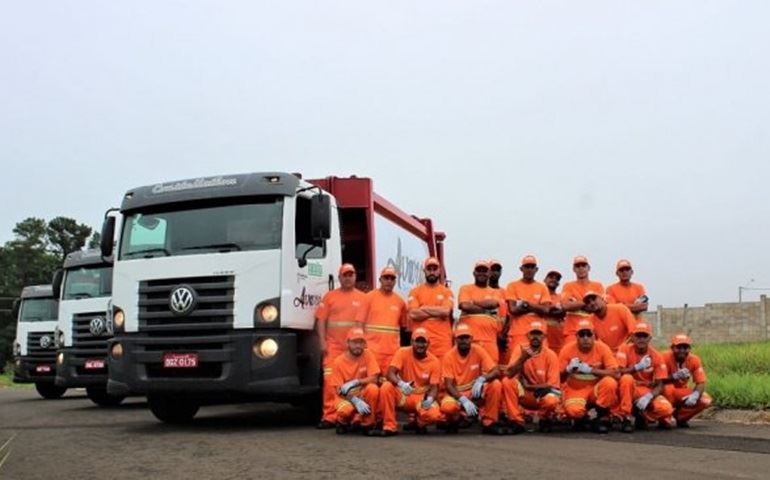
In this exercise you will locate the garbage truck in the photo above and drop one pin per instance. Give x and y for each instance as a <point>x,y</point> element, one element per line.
<point>216,280</point>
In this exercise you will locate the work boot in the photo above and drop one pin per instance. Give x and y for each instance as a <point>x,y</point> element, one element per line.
<point>465,423</point>
<point>640,422</point>
<point>516,428</point>
<point>381,433</point>
<point>580,424</point>
<point>494,429</point>
<point>421,430</point>
<point>682,424</point>
<point>544,425</point>
<point>627,426</point>
<point>664,424</point>
<point>410,426</point>
<point>324,425</point>
<point>452,428</point>
<point>601,425</point>
<point>341,429</point>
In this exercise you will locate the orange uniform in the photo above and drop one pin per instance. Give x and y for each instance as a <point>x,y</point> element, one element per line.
<point>484,326</point>
<point>582,390</point>
<point>464,371</point>
<point>676,391</point>
<point>615,327</point>
<point>636,384</point>
<point>555,334</point>
<point>382,316</point>
<point>345,368</point>
<point>439,329</point>
<point>575,291</point>
<point>541,369</point>
<point>625,294</point>
<point>534,293</point>
<point>422,374</point>
<point>338,310</point>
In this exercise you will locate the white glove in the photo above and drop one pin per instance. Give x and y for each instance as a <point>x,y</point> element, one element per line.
<point>642,299</point>
<point>348,386</point>
<point>427,403</point>
<point>585,368</point>
<point>644,401</point>
<point>681,374</point>
<point>405,387</point>
<point>520,303</point>
<point>470,409</point>
<point>361,406</point>
<point>691,399</point>
<point>478,387</point>
<point>643,364</point>
<point>573,364</point>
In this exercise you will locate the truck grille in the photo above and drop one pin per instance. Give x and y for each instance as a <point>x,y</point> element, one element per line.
<point>212,314</point>
<point>36,353</point>
<point>85,345</point>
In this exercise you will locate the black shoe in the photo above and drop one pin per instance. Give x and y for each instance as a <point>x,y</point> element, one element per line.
<point>355,428</point>
<point>601,426</point>
<point>664,424</point>
<point>421,430</point>
<point>381,433</point>
<point>342,429</point>
<point>494,429</point>
<point>516,428</point>
<point>410,427</point>
<point>580,425</point>
<point>465,423</point>
<point>640,422</point>
<point>544,425</point>
<point>324,425</point>
<point>452,429</point>
<point>682,424</point>
<point>627,426</point>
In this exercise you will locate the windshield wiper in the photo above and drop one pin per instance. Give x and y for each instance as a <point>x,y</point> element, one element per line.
<point>150,250</point>
<point>229,246</point>
<point>81,295</point>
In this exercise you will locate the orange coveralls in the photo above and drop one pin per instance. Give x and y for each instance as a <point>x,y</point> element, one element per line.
<point>439,329</point>
<point>581,391</point>
<point>676,391</point>
<point>464,371</point>
<point>534,293</point>
<point>540,369</point>
<point>484,326</point>
<point>615,327</point>
<point>634,385</point>
<point>382,316</point>
<point>625,294</point>
<point>345,368</point>
<point>575,291</point>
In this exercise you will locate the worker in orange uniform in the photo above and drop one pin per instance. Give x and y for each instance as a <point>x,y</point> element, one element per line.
<point>572,296</point>
<point>632,295</point>
<point>412,386</point>
<point>555,316</point>
<point>589,371</point>
<point>335,316</point>
<point>683,366</point>
<point>382,315</point>
<point>613,322</point>
<point>643,371</point>
<point>470,378</point>
<point>354,383</point>
<point>480,307</point>
<point>532,380</point>
<point>528,301</point>
<point>430,306</point>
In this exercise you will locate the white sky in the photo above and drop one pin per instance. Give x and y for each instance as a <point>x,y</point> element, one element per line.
<point>610,129</point>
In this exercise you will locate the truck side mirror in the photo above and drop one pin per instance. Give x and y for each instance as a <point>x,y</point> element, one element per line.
<point>56,283</point>
<point>320,217</point>
<point>15,308</point>
<point>108,236</point>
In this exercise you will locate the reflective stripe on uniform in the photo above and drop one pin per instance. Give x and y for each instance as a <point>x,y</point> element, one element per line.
<point>575,400</point>
<point>327,371</point>
<point>340,324</point>
<point>588,377</point>
<point>493,318</point>
<point>381,329</point>
<point>342,405</point>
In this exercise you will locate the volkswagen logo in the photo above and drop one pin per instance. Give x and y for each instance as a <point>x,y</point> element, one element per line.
<point>182,300</point>
<point>97,327</point>
<point>46,342</point>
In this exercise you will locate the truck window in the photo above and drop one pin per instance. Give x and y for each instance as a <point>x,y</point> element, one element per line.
<point>39,310</point>
<point>302,236</point>
<point>88,282</point>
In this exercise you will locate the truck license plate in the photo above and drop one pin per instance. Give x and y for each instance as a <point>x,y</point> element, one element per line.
<point>180,360</point>
<point>43,369</point>
<point>94,364</point>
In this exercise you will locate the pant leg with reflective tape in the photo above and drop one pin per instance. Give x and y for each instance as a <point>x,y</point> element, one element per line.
<point>390,396</point>
<point>492,396</point>
<point>512,390</point>
<point>575,401</point>
<point>605,393</point>
<point>329,395</point>
<point>345,411</point>
<point>683,413</point>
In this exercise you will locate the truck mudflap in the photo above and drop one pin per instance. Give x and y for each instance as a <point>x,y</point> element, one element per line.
<point>76,371</point>
<point>33,370</point>
<point>218,366</point>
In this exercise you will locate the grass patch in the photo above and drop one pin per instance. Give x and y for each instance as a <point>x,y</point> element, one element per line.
<point>6,379</point>
<point>738,374</point>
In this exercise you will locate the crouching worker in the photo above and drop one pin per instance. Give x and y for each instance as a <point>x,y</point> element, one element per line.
<point>684,366</point>
<point>412,386</point>
<point>470,378</point>
<point>354,379</point>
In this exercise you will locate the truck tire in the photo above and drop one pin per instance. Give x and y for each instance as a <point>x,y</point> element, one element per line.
<point>49,390</point>
<point>172,409</point>
<point>100,397</point>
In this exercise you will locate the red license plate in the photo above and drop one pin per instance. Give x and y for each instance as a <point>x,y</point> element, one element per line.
<point>180,360</point>
<point>43,369</point>
<point>94,364</point>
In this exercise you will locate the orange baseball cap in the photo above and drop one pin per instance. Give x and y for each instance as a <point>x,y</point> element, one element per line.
<point>622,263</point>
<point>579,259</point>
<point>346,268</point>
<point>419,333</point>
<point>462,329</point>
<point>585,325</point>
<point>643,327</point>
<point>431,261</point>
<point>481,263</point>
<point>681,339</point>
<point>528,260</point>
<point>588,294</point>
<point>536,327</point>
<point>355,334</point>
<point>388,271</point>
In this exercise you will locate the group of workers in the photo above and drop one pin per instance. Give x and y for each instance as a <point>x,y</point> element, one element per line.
<point>581,356</point>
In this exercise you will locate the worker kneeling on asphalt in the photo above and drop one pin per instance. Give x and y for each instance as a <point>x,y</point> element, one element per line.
<point>470,378</point>
<point>532,381</point>
<point>684,366</point>
<point>643,371</point>
<point>588,370</point>
<point>412,386</point>
<point>354,379</point>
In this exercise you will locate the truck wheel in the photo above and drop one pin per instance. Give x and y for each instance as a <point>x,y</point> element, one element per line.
<point>100,397</point>
<point>49,390</point>
<point>170,409</point>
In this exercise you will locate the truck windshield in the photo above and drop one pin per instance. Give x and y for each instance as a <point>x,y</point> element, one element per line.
<point>39,310</point>
<point>88,282</point>
<point>255,225</point>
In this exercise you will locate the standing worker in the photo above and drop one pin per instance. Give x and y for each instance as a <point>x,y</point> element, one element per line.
<point>480,307</point>
<point>572,296</point>
<point>683,366</point>
<point>613,323</point>
<point>632,295</point>
<point>495,272</point>
<point>528,301</point>
<point>335,316</point>
<point>430,306</point>
<point>555,315</point>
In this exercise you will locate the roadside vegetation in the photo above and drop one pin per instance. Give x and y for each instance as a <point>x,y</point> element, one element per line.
<point>738,374</point>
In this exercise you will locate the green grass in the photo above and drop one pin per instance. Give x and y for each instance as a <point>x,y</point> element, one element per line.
<point>738,374</point>
<point>6,379</point>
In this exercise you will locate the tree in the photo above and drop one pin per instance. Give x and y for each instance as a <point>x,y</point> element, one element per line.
<point>66,235</point>
<point>96,240</point>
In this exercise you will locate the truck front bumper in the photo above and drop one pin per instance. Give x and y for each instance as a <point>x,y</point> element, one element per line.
<point>72,372</point>
<point>29,370</point>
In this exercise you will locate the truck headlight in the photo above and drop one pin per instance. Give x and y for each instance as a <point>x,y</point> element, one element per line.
<point>16,349</point>
<point>265,313</point>
<point>59,339</point>
<point>60,358</point>
<point>116,351</point>
<point>265,348</point>
<point>118,320</point>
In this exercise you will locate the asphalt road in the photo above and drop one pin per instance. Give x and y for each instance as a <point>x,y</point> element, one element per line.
<point>72,438</point>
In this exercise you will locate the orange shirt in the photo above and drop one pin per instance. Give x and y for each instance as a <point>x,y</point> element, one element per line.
<point>535,293</point>
<point>600,356</point>
<point>427,295</point>
<point>382,316</point>
<point>627,357</point>
<point>543,368</point>
<point>422,372</point>
<point>503,310</point>
<point>339,309</point>
<point>615,327</point>
<point>575,291</point>
<point>691,363</point>
<point>465,370</point>
<point>555,335</point>
<point>625,294</point>
<point>346,368</point>
<point>484,326</point>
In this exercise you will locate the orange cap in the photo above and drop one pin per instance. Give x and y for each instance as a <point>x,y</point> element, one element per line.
<point>347,267</point>
<point>431,261</point>
<point>579,259</point>
<point>536,327</point>
<point>388,271</point>
<point>528,260</point>
<point>588,294</point>
<point>642,327</point>
<point>462,329</point>
<point>681,339</point>
<point>355,334</point>
<point>622,263</point>
<point>481,263</point>
<point>585,325</point>
<point>419,333</point>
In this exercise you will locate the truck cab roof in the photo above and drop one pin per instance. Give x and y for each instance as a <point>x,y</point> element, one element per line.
<point>86,258</point>
<point>37,291</point>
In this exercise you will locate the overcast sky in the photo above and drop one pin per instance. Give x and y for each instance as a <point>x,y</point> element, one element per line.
<point>608,129</point>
